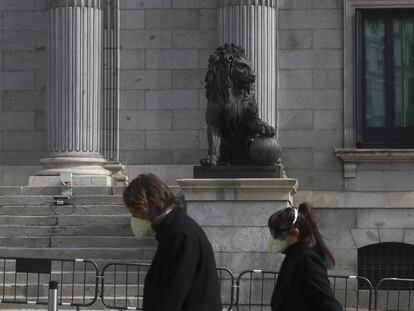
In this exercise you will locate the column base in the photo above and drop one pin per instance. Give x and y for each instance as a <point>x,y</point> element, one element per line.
<point>77,181</point>
<point>91,166</point>
<point>118,173</point>
<point>86,171</point>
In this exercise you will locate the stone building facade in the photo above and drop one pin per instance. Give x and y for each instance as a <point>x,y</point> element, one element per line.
<point>363,195</point>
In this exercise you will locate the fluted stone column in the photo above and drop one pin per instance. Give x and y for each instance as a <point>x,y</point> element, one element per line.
<point>252,24</point>
<point>74,88</point>
<point>111,62</point>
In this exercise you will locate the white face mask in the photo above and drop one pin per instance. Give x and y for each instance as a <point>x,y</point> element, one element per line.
<point>277,245</point>
<point>141,228</point>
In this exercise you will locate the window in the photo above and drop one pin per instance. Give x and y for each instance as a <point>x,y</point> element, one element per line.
<point>384,260</point>
<point>385,78</point>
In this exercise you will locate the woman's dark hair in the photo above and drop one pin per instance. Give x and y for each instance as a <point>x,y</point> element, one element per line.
<point>148,192</point>
<point>282,221</point>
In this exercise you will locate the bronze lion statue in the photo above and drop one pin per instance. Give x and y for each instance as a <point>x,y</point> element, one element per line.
<point>232,113</point>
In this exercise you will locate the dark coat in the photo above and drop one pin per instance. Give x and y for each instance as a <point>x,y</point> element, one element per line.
<point>183,275</point>
<point>303,283</point>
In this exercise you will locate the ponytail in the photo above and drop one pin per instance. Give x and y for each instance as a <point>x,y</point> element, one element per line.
<point>309,234</point>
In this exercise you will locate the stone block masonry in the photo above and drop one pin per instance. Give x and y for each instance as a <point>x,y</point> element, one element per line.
<point>164,51</point>
<point>22,97</point>
<point>310,100</point>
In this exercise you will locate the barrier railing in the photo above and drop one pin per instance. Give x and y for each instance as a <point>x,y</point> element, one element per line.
<point>226,282</point>
<point>122,286</point>
<point>394,294</point>
<point>255,288</point>
<point>26,281</point>
<point>352,292</point>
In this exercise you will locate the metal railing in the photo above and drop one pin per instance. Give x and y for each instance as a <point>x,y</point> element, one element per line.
<point>394,294</point>
<point>226,282</point>
<point>26,281</point>
<point>122,286</point>
<point>255,288</point>
<point>352,292</point>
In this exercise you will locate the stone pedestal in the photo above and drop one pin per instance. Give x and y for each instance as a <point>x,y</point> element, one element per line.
<point>234,214</point>
<point>238,171</point>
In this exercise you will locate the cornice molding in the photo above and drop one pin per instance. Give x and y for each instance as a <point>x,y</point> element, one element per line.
<point>351,157</point>
<point>375,155</point>
<point>378,3</point>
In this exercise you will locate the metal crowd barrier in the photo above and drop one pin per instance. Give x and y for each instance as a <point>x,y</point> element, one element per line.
<point>394,294</point>
<point>255,288</point>
<point>226,282</point>
<point>352,292</point>
<point>26,281</point>
<point>75,283</point>
<point>122,286</point>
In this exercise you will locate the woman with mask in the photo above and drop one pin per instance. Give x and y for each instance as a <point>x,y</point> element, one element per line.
<point>302,283</point>
<point>182,275</point>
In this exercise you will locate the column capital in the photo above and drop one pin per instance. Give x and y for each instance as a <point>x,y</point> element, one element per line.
<point>98,4</point>
<point>268,3</point>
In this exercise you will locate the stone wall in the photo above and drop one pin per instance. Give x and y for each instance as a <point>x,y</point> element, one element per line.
<point>310,95</point>
<point>238,233</point>
<point>22,82</point>
<point>164,52</point>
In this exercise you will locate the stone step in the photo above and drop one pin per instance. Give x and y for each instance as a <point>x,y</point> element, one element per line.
<point>25,242</point>
<point>84,275</point>
<point>68,267</point>
<point>86,230</point>
<point>77,220</point>
<point>98,190</point>
<point>31,200</point>
<point>101,241</point>
<point>46,210</point>
<point>29,190</point>
<point>97,306</point>
<point>76,241</point>
<point>36,200</point>
<point>64,220</point>
<point>114,254</point>
<point>29,220</point>
<point>78,288</point>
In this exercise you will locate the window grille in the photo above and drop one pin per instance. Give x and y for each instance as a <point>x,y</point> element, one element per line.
<point>386,260</point>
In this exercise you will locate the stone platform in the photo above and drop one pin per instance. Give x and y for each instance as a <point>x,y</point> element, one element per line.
<point>238,171</point>
<point>234,214</point>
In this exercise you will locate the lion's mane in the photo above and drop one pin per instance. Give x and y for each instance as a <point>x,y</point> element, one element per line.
<point>218,77</point>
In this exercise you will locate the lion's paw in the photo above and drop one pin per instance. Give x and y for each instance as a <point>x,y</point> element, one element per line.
<point>210,160</point>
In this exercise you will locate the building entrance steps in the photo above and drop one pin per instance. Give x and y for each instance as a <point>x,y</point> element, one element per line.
<point>93,224</point>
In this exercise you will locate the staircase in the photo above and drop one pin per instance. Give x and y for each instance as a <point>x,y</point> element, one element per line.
<point>94,225</point>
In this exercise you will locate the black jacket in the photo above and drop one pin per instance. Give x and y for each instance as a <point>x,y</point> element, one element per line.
<point>303,283</point>
<point>183,275</point>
